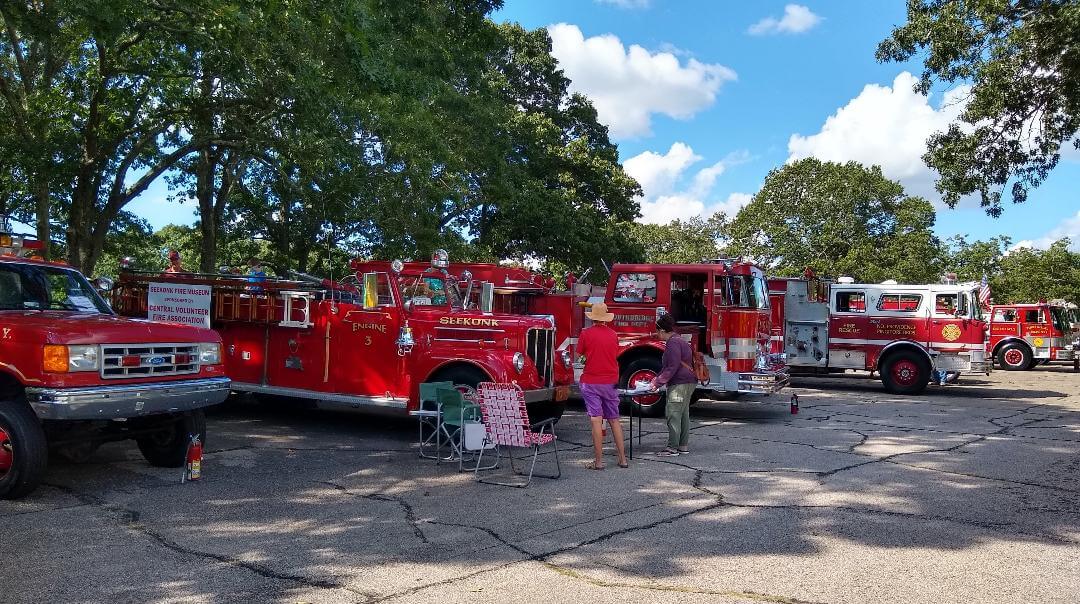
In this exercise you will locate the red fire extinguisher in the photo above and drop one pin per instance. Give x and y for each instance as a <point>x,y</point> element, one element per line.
<point>193,467</point>
<point>794,404</point>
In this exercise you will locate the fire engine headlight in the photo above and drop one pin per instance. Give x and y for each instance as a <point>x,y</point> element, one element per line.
<point>209,353</point>
<point>567,360</point>
<point>519,362</point>
<point>58,358</point>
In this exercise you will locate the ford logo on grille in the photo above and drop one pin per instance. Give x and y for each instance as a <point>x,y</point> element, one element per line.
<point>155,360</point>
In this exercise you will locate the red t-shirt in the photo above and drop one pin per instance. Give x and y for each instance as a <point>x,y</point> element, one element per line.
<point>599,345</point>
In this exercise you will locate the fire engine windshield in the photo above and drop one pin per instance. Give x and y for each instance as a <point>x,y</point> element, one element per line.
<point>1060,318</point>
<point>741,290</point>
<point>431,290</point>
<point>33,287</point>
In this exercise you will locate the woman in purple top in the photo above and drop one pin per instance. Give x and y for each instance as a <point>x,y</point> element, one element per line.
<point>677,373</point>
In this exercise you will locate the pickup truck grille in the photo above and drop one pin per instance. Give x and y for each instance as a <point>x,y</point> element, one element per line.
<point>540,346</point>
<point>148,360</point>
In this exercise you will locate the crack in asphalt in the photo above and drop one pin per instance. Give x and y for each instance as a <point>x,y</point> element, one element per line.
<point>410,513</point>
<point>130,519</point>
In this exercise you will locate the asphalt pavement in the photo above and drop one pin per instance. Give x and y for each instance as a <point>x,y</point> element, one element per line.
<point>969,493</point>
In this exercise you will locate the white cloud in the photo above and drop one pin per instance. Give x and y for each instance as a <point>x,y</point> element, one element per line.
<point>628,85</point>
<point>797,19</point>
<point>1070,227</point>
<point>626,3</point>
<point>886,126</point>
<point>660,177</point>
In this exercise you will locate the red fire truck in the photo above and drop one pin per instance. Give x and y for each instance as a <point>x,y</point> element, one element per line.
<point>721,307</point>
<point>1025,335</point>
<point>370,340</point>
<point>73,375</point>
<point>907,333</point>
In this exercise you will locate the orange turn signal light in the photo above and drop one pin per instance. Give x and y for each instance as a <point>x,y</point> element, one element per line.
<point>55,358</point>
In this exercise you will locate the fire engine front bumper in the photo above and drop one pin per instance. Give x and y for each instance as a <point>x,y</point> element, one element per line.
<point>130,400</point>
<point>763,383</point>
<point>544,395</point>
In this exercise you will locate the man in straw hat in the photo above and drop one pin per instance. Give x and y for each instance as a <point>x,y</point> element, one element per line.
<point>599,345</point>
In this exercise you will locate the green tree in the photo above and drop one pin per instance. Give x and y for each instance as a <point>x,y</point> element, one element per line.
<point>1022,60</point>
<point>839,219</point>
<point>971,260</point>
<point>680,241</point>
<point>1030,275</point>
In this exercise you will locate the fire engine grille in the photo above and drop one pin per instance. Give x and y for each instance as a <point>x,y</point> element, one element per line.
<point>540,347</point>
<point>145,360</point>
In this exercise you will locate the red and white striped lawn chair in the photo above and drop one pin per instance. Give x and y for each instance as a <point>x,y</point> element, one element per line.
<point>507,421</point>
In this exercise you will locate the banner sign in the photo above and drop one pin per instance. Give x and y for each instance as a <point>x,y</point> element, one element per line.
<point>179,303</point>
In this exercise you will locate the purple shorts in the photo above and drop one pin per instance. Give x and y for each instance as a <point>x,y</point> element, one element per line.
<point>601,400</point>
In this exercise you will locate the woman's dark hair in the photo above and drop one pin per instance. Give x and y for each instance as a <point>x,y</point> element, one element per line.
<point>666,323</point>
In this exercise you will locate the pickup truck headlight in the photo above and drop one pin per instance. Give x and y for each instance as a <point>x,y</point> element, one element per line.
<point>58,358</point>
<point>519,362</point>
<point>210,353</point>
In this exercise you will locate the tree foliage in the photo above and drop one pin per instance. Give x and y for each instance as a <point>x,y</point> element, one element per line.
<point>680,241</point>
<point>839,219</point>
<point>1022,61</point>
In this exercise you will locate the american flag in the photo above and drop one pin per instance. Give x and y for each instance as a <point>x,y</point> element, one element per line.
<point>984,292</point>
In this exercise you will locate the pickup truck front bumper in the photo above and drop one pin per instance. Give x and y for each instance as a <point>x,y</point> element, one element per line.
<point>129,400</point>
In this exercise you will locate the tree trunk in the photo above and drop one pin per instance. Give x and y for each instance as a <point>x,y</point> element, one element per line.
<point>205,167</point>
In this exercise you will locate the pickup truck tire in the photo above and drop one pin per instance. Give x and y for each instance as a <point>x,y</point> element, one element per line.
<point>1014,357</point>
<point>24,453</point>
<point>905,372</point>
<point>643,369</point>
<point>167,448</point>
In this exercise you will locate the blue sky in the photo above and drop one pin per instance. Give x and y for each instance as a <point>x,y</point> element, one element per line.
<point>704,97</point>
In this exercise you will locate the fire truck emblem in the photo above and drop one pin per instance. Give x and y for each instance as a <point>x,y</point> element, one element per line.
<point>951,333</point>
<point>1038,342</point>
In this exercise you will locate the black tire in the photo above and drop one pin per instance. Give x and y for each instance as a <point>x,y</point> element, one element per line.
<point>905,372</point>
<point>24,440</point>
<point>167,447</point>
<point>469,377</point>
<point>1019,354</point>
<point>640,364</point>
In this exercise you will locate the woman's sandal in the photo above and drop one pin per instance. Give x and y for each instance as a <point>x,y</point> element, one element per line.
<point>593,466</point>
<point>624,465</point>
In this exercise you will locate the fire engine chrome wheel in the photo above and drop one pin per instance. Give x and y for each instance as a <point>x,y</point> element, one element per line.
<point>643,369</point>
<point>905,372</point>
<point>1014,357</point>
<point>24,454</point>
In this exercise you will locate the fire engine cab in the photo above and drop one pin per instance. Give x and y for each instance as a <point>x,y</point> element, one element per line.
<point>720,307</point>
<point>1025,335</point>
<point>74,375</point>
<point>370,340</point>
<point>907,333</point>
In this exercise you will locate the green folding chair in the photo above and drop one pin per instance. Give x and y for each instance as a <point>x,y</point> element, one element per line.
<point>428,415</point>
<point>454,413</point>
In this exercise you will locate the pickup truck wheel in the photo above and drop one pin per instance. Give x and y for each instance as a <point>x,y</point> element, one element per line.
<point>24,453</point>
<point>1014,357</point>
<point>167,448</point>
<point>643,369</point>
<point>905,373</point>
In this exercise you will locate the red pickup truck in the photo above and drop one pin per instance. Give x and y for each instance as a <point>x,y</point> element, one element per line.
<point>74,375</point>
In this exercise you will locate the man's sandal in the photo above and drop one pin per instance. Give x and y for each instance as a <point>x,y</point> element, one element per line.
<point>667,453</point>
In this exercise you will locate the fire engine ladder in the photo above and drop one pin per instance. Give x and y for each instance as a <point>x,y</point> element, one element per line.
<point>286,308</point>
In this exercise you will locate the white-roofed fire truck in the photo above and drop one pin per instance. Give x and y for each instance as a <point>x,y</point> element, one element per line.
<point>910,334</point>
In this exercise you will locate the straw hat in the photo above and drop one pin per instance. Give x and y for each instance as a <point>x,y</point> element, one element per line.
<point>599,312</point>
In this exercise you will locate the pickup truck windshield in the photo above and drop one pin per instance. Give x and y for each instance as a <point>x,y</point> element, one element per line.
<point>34,287</point>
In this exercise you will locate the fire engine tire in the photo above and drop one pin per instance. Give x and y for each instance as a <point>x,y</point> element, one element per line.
<point>643,368</point>
<point>167,448</point>
<point>24,452</point>
<point>905,372</point>
<point>1014,357</point>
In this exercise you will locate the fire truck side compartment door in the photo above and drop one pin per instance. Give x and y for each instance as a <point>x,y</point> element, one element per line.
<point>806,327</point>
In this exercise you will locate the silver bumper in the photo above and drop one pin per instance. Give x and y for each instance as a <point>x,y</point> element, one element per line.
<point>763,383</point>
<point>1064,354</point>
<point>131,400</point>
<point>982,367</point>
